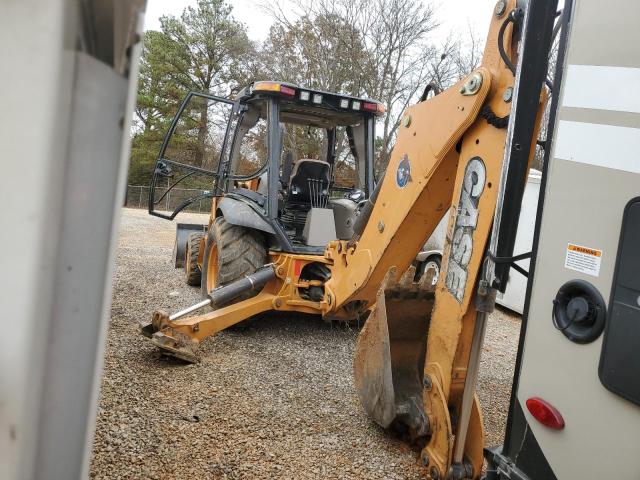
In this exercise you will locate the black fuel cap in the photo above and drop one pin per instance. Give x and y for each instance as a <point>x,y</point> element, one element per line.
<point>579,311</point>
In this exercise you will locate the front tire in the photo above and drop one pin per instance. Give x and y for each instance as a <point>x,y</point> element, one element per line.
<point>192,271</point>
<point>231,253</point>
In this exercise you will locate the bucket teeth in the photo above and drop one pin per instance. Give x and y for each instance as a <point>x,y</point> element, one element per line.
<point>426,281</point>
<point>407,287</point>
<point>407,278</point>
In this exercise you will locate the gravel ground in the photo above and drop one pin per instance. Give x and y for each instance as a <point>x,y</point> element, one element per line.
<point>273,401</point>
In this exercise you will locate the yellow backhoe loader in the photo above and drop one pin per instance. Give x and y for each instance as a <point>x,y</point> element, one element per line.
<point>417,356</point>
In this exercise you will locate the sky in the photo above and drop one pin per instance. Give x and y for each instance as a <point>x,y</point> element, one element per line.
<point>454,16</point>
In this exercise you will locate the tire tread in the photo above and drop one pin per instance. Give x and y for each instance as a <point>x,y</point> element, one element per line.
<point>192,271</point>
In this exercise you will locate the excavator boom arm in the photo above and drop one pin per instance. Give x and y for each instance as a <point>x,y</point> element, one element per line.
<point>426,176</point>
<point>413,355</point>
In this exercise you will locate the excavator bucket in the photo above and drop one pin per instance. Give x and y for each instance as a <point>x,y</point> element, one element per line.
<point>390,353</point>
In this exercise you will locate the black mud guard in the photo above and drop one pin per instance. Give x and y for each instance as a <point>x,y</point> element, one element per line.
<point>240,213</point>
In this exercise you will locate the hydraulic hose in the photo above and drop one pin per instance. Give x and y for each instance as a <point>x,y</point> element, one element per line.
<point>515,16</point>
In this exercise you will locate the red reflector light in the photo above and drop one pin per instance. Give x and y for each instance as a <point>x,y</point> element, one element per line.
<point>545,413</point>
<point>370,107</point>
<point>287,90</point>
<point>297,268</point>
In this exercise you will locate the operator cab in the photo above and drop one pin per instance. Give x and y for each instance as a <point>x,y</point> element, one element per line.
<point>295,163</point>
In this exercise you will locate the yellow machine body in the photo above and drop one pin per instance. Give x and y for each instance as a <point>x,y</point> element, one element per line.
<point>412,354</point>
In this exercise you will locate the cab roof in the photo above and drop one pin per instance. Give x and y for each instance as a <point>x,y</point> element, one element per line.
<point>311,106</point>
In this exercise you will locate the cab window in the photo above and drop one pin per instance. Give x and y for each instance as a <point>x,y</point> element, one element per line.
<point>249,152</point>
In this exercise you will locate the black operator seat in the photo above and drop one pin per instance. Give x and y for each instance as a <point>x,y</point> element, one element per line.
<point>309,180</point>
<point>287,165</point>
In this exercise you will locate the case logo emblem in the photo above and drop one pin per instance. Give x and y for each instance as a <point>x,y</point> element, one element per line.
<point>475,175</point>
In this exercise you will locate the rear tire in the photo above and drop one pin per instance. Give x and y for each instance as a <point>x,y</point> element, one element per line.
<point>231,253</point>
<point>192,272</point>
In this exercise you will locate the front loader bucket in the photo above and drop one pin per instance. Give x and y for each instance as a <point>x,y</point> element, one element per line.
<point>183,230</point>
<point>390,354</point>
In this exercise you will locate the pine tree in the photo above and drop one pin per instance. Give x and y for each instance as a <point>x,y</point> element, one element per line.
<point>204,50</point>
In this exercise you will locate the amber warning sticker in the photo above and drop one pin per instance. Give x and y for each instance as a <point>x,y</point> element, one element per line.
<point>583,259</point>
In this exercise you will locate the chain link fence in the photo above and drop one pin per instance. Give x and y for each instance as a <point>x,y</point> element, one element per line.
<point>138,197</point>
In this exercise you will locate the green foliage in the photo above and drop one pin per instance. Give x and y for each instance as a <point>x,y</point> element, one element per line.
<point>205,50</point>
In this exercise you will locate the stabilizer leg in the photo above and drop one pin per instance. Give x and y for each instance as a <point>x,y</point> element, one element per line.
<point>178,336</point>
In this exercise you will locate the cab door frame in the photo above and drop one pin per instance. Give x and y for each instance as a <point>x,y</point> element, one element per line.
<point>161,161</point>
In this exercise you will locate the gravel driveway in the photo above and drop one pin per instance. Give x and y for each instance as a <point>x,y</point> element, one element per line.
<point>274,401</point>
